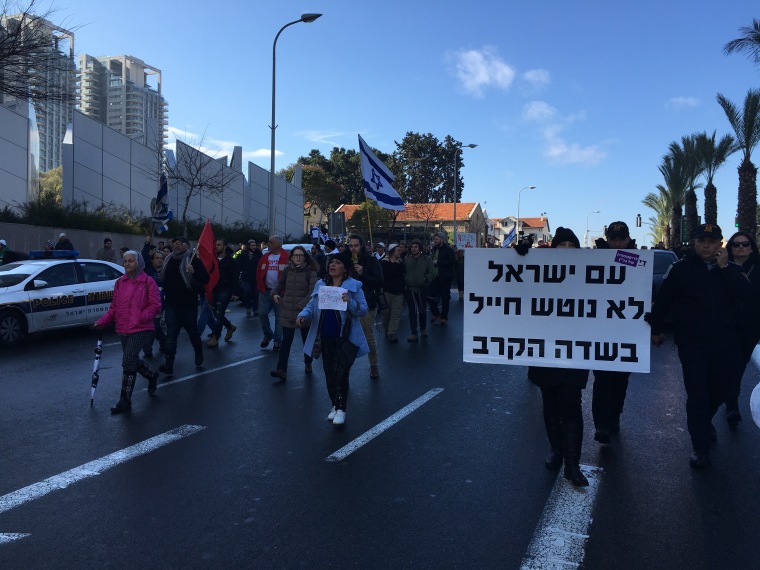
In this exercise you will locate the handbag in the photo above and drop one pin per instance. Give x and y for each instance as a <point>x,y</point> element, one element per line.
<point>347,350</point>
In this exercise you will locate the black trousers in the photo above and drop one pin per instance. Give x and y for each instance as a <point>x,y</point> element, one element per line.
<point>176,319</point>
<point>415,303</point>
<point>608,398</point>
<point>440,289</point>
<point>336,374</point>
<point>709,372</point>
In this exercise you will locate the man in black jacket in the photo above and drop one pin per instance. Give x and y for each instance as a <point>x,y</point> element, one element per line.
<point>707,296</point>
<point>184,276</point>
<point>445,262</point>
<point>367,270</point>
<point>248,261</point>
<point>610,387</point>
<point>222,292</point>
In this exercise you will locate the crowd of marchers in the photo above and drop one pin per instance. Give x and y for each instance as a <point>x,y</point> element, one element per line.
<point>710,295</point>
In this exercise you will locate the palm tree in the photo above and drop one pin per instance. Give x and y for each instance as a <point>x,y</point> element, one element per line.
<point>672,171</point>
<point>746,126</point>
<point>711,157</point>
<point>660,203</point>
<point>749,42</point>
<point>686,155</point>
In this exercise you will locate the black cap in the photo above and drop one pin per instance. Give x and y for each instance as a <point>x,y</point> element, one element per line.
<point>565,234</point>
<point>182,239</point>
<point>618,230</point>
<point>708,231</point>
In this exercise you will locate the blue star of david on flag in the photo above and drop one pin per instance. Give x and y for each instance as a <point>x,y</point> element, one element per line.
<point>378,180</point>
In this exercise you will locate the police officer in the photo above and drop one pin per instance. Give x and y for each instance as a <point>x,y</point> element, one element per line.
<point>707,296</point>
<point>610,387</point>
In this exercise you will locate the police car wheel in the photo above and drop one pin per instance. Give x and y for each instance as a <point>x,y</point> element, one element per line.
<point>11,328</point>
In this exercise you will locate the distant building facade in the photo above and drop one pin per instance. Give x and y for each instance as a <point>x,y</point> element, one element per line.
<point>58,78</point>
<point>124,93</point>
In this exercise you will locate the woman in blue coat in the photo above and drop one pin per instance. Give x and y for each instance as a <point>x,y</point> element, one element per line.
<point>325,337</point>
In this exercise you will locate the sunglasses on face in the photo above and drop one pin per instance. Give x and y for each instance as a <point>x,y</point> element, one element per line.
<point>740,244</point>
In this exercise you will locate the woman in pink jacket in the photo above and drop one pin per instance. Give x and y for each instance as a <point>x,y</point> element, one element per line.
<point>136,301</point>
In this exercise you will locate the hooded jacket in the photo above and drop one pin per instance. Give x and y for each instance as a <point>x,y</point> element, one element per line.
<point>136,302</point>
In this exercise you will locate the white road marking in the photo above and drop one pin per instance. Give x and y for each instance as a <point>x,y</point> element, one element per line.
<point>6,537</point>
<point>367,436</point>
<point>63,480</point>
<point>560,537</point>
<point>204,372</point>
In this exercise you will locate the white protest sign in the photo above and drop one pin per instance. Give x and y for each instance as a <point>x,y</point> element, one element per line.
<point>465,239</point>
<point>568,308</point>
<point>332,298</point>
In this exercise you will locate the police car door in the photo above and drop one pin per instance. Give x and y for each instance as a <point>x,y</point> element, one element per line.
<point>61,301</point>
<point>98,279</point>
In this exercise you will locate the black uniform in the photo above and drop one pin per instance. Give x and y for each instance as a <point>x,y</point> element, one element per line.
<point>707,304</point>
<point>610,388</point>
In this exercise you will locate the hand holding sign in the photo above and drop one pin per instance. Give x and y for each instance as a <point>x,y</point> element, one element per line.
<point>335,298</point>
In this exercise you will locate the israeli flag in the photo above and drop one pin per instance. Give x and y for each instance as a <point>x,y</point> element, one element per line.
<point>160,208</point>
<point>510,236</point>
<point>378,180</point>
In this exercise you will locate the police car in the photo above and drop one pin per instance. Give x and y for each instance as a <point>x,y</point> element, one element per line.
<point>45,294</point>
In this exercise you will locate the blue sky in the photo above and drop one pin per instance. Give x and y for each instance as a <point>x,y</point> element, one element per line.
<point>580,99</point>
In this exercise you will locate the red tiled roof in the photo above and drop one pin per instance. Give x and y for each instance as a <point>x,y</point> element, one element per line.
<point>420,212</point>
<point>533,222</point>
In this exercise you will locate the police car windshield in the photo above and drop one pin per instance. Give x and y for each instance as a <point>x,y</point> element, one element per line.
<point>13,274</point>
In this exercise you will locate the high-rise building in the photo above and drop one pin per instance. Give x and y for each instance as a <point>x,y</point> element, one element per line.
<point>124,93</point>
<point>51,76</point>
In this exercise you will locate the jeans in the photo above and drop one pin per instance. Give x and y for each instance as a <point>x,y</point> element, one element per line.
<point>288,334</point>
<point>177,318</point>
<point>221,300</point>
<point>250,296</point>
<point>206,317</point>
<point>266,305</point>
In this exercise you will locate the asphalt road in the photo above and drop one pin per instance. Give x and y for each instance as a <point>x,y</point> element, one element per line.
<point>459,482</point>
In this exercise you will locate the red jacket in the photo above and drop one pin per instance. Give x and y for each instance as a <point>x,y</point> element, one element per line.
<point>135,304</point>
<point>261,270</point>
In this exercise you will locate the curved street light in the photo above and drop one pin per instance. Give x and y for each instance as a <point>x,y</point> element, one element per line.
<point>517,235</point>
<point>457,150</point>
<point>306,18</point>
<point>585,241</point>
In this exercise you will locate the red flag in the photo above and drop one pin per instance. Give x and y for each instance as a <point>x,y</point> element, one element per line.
<point>207,254</point>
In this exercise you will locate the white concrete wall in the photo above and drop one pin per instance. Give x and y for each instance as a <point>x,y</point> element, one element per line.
<point>15,159</point>
<point>288,203</point>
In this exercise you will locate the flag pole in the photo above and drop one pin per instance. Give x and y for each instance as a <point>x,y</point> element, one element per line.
<point>369,224</point>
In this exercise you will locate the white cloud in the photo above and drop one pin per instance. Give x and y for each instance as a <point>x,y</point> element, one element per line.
<point>556,148</point>
<point>478,69</point>
<point>679,102</point>
<point>323,138</point>
<point>537,79</point>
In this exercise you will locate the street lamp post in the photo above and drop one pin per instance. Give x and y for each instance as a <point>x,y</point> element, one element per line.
<point>457,150</point>
<point>585,241</point>
<point>517,235</point>
<point>307,18</point>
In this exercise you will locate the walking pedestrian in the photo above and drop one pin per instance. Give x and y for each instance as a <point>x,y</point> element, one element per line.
<point>136,301</point>
<point>336,334</point>
<point>268,274</point>
<point>707,297</point>
<point>418,275</point>
<point>366,269</point>
<point>394,286</point>
<point>184,276</point>
<point>445,263</point>
<point>292,293</point>
<point>742,250</point>
<point>153,270</point>
<point>610,387</point>
<point>561,394</point>
<point>108,253</point>
<point>222,292</point>
<point>248,261</point>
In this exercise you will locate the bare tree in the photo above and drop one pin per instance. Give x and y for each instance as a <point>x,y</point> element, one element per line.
<point>31,54</point>
<point>193,173</point>
<point>423,211</point>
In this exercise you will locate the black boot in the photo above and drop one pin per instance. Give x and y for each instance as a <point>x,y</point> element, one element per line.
<point>125,400</point>
<point>152,376</point>
<point>168,366</point>
<point>572,441</point>
<point>554,433</point>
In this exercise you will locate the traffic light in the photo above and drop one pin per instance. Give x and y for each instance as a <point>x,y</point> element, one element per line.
<point>638,220</point>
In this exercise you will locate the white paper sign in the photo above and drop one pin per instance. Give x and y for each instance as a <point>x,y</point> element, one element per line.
<point>570,308</point>
<point>332,298</point>
<point>465,239</point>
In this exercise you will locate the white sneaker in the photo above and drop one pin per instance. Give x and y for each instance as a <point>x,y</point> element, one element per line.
<point>340,418</point>
<point>331,415</point>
